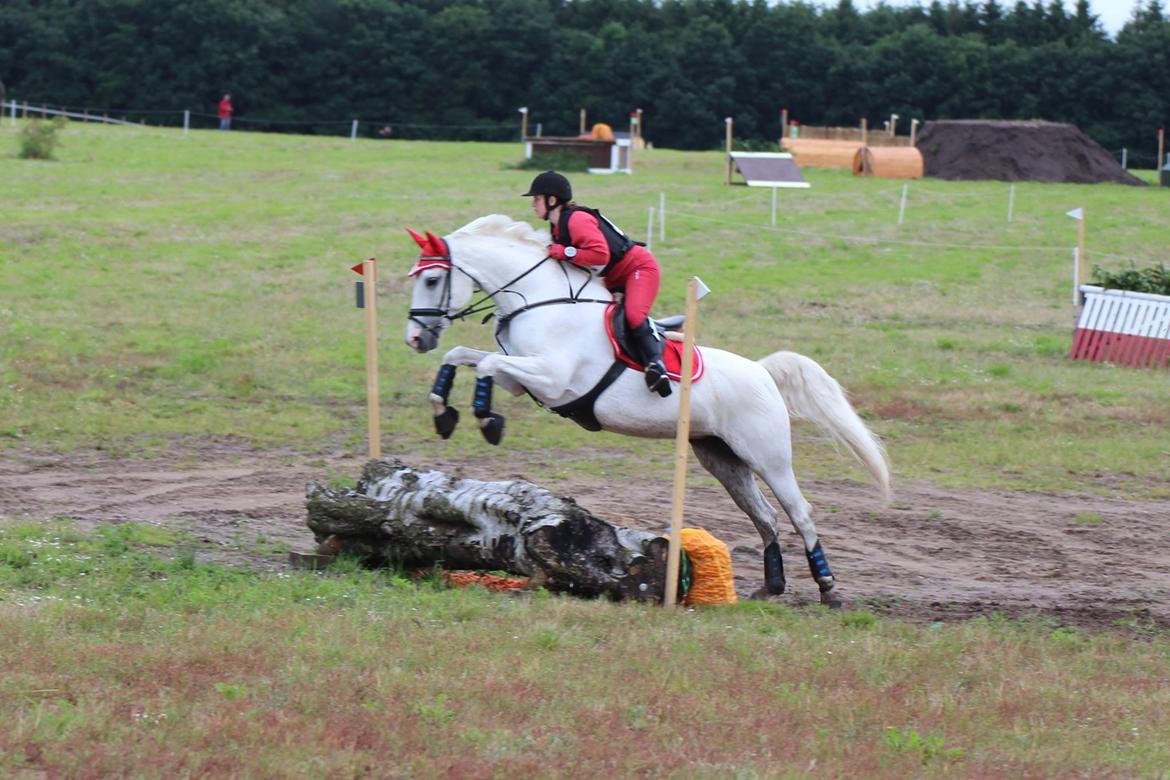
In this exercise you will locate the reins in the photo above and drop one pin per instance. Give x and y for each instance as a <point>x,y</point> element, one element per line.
<point>487,302</point>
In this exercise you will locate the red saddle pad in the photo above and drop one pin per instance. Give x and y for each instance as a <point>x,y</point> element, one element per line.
<point>671,353</point>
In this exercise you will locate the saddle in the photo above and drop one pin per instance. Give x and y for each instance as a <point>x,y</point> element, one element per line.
<point>618,329</point>
<point>629,354</point>
<point>626,356</point>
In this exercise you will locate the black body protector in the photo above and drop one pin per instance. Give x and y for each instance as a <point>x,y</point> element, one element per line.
<point>645,336</point>
<point>617,241</point>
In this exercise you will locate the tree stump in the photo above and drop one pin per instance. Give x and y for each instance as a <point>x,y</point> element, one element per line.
<point>397,515</point>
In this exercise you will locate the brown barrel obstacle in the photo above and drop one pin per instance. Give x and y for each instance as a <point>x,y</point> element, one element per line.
<point>821,153</point>
<point>888,162</point>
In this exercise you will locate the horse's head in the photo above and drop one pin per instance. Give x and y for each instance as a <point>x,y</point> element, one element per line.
<point>437,293</point>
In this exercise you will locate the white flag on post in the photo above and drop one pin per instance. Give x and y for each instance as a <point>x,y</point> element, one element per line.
<point>1076,214</point>
<point>701,290</point>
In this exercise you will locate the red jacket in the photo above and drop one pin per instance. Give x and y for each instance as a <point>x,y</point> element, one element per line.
<point>225,109</point>
<point>593,251</point>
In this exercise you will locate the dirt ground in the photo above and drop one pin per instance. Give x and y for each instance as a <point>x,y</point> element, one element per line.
<point>933,554</point>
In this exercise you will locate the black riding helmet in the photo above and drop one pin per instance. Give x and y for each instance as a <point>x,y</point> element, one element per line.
<point>551,183</point>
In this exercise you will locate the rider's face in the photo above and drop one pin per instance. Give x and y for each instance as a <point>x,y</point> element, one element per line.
<point>539,206</point>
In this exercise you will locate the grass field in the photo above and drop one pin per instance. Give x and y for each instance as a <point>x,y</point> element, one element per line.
<point>157,289</point>
<point>123,660</point>
<point>156,286</point>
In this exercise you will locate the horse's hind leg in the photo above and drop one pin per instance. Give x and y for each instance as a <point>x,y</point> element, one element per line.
<point>738,480</point>
<point>767,452</point>
<point>783,484</point>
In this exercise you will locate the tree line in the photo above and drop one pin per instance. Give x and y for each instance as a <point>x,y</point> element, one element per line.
<point>462,68</point>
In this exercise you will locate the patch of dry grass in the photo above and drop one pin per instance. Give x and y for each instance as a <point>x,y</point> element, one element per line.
<point>119,663</point>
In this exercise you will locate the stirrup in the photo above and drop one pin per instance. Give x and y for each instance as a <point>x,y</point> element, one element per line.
<point>656,379</point>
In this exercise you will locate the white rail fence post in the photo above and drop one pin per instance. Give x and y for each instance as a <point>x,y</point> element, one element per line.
<point>902,205</point>
<point>353,131</point>
<point>650,229</point>
<point>186,121</point>
<point>1011,201</point>
<point>662,216</point>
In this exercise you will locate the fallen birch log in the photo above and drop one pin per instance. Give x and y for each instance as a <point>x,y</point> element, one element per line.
<point>413,518</point>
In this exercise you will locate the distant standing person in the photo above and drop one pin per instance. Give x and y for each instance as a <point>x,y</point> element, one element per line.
<point>225,112</point>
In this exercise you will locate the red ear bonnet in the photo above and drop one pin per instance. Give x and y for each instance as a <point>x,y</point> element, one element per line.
<point>434,252</point>
<point>422,242</point>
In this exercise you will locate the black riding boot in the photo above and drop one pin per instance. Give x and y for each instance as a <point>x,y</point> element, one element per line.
<point>649,343</point>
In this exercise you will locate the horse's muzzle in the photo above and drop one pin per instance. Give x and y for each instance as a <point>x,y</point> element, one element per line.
<point>421,341</point>
<point>421,336</point>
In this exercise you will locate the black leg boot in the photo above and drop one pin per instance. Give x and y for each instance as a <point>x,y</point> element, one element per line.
<point>650,345</point>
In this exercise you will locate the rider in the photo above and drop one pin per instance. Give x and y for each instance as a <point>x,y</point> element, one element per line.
<point>582,236</point>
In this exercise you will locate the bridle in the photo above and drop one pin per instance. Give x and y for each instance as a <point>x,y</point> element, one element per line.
<point>487,302</point>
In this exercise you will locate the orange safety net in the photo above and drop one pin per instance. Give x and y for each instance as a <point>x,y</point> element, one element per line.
<point>712,581</point>
<point>461,579</point>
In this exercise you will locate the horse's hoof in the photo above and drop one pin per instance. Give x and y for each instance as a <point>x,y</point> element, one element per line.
<point>492,428</point>
<point>829,599</point>
<point>662,387</point>
<point>761,594</point>
<point>445,423</point>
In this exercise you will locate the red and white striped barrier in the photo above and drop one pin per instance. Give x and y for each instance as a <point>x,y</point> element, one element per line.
<point>1119,326</point>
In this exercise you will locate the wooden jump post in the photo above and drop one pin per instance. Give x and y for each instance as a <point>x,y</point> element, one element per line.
<point>366,300</point>
<point>523,123</point>
<point>581,131</point>
<point>695,290</point>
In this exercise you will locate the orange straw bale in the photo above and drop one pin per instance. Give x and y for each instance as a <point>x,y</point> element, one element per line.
<point>712,581</point>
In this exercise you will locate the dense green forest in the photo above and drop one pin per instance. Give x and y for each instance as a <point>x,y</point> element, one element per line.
<point>462,68</point>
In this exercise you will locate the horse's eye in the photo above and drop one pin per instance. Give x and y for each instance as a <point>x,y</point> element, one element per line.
<point>434,280</point>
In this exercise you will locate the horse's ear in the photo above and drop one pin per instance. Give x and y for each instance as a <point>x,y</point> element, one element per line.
<point>422,242</point>
<point>438,245</point>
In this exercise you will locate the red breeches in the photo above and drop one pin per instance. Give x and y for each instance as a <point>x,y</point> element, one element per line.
<point>640,282</point>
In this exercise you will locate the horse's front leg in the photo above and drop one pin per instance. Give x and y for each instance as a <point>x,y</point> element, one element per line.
<point>537,375</point>
<point>446,416</point>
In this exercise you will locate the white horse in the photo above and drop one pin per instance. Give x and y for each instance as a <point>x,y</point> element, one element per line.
<point>553,345</point>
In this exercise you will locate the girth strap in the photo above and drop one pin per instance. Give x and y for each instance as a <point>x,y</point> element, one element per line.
<point>580,411</point>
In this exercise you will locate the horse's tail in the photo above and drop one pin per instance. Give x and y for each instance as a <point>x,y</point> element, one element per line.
<point>812,394</point>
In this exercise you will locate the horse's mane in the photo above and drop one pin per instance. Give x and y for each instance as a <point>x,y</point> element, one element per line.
<point>501,226</point>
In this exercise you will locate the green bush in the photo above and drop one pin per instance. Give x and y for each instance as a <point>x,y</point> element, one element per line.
<point>38,138</point>
<point>563,161</point>
<point>754,145</point>
<point>1155,279</point>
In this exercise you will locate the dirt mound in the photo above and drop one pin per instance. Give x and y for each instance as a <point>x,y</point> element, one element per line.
<point>1016,151</point>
